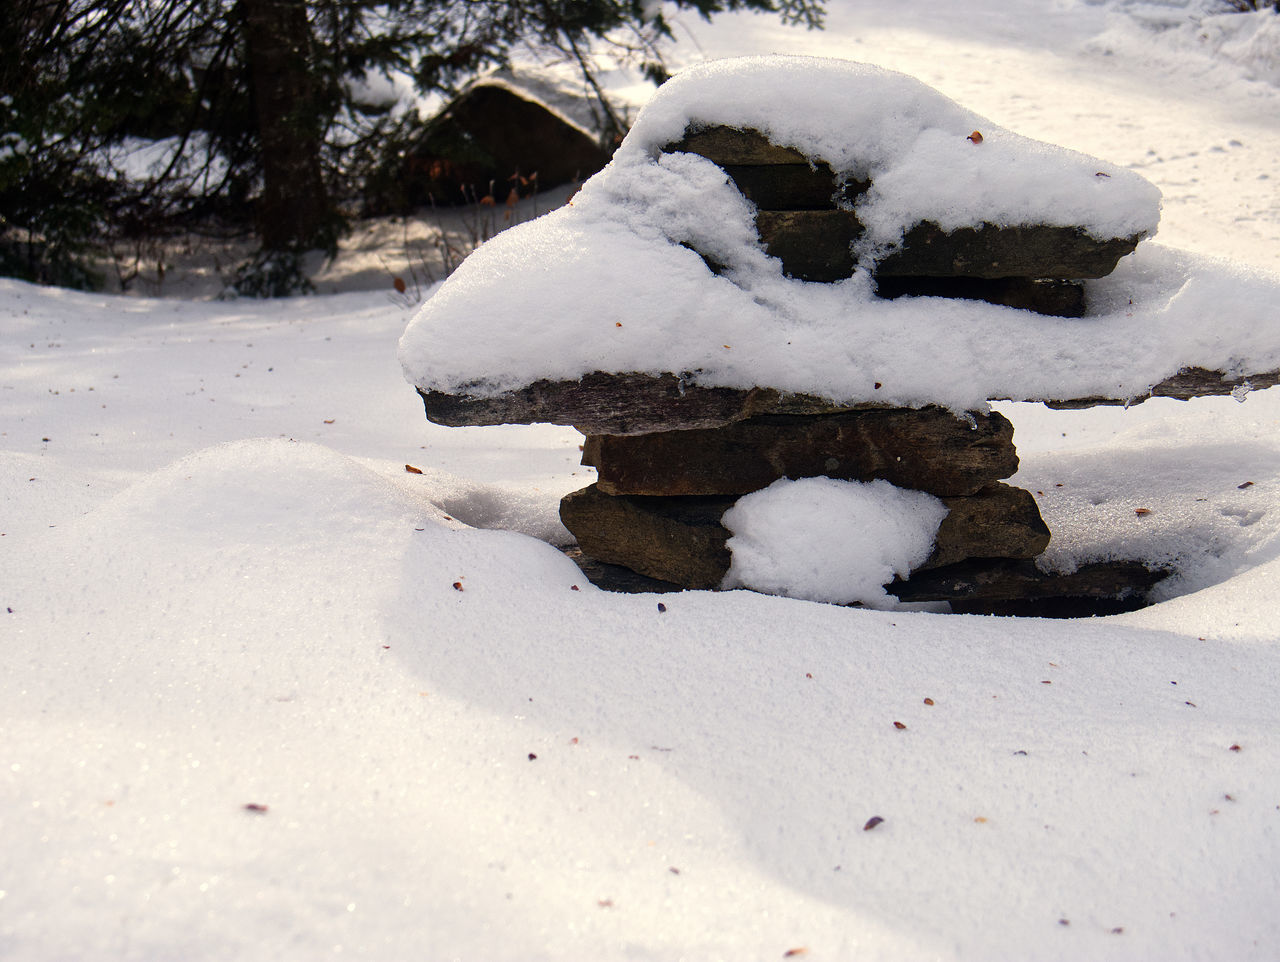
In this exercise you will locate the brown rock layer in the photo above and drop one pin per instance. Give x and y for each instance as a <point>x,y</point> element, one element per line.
<point>930,450</point>
<point>994,251</point>
<point>989,586</point>
<point>994,580</point>
<point>813,245</point>
<point>1042,295</point>
<point>1000,521</point>
<point>805,218</point>
<point>793,187</point>
<point>630,403</point>
<point>681,539</point>
<point>635,403</point>
<point>728,146</point>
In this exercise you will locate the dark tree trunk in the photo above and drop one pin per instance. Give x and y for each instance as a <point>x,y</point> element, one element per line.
<point>294,212</point>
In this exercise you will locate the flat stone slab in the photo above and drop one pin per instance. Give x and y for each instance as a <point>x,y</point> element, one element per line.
<point>611,577</point>
<point>1056,298</point>
<point>682,541</point>
<point>635,403</point>
<point>1186,384</point>
<point>979,585</point>
<point>730,146</point>
<point>1064,253</point>
<point>794,187</point>
<point>1000,521</point>
<point>814,245</point>
<point>632,403</point>
<point>987,587</point>
<point>929,450</point>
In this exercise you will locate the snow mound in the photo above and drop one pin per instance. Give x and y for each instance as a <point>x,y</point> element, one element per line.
<point>826,540</point>
<point>172,564</point>
<point>610,283</point>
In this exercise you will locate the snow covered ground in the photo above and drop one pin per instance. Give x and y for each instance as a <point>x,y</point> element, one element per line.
<point>268,695</point>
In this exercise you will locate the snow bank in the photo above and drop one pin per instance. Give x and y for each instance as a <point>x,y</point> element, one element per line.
<point>275,623</point>
<point>514,769</point>
<point>825,540</point>
<point>1205,36</point>
<point>607,284</point>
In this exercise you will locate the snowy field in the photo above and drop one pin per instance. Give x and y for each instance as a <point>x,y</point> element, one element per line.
<point>268,695</point>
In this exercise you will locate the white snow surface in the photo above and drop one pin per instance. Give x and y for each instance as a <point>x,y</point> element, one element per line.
<point>220,587</point>
<point>826,540</point>
<point>612,282</point>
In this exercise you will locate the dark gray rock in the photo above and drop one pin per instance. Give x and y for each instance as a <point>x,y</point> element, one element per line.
<point>793,186</point>
<point>1183,386</point>
<point>995,251</point>
<point>813,245</point>
<point>980,586</point>
<point>613,577</point>
<point>1042,295</point>
<point>630,403</point>
<point>974,585</point>
<point>806,219</point>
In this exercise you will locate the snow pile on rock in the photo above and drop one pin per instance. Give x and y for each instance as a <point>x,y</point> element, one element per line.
<point>611,284</point>
<point>910,141</point>
<point>826,540</point>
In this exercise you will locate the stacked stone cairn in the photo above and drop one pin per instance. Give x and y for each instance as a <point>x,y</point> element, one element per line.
<point>672,455</point>
<point>664,483</point>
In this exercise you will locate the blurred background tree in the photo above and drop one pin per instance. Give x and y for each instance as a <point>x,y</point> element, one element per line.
<point>137,118</point>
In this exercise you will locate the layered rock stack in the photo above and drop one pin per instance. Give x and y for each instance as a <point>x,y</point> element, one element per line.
<point>805,218</point>
<point>664,487</point>
<point>597,316</point>
<point>657,505</point>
